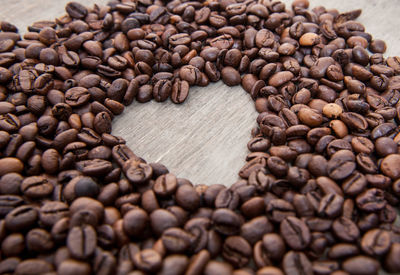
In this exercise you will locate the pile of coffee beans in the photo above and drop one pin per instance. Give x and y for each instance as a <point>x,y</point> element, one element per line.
<point>319,193</point>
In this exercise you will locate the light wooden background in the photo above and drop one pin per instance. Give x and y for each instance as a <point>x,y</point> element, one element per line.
<point>204,139</point>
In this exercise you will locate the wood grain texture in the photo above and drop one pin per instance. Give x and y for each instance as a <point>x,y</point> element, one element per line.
<point>204,139</point>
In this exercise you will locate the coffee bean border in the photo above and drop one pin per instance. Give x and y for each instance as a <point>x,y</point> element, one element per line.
<point>320,189</point>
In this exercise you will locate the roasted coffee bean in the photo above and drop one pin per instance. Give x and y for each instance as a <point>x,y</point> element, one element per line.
<point>176,240</point>
<point>361,264</point>
<point>10,165</point>
<point>81,241</point>
<point>345,229</point>
<point>226,221</point>
<point>165,185</point>
<point>76,10</point>
<point>371,200</point>
<point>216,267</point>
<point>174,264</point>
<point>236,250</point>
<point>95,167</point>
<point>38,240</point>
<point>180,91</point>
<point>341,164</point>
<point>277,210</point>
<point>230,76</point>
<point>21,218</point>
<point>33,266</point>
<point>254,229</point>
<point>53,211</point>
<point>161,220</point>
<point>342,250</point>
<point>187,197</point>
<point>147,260</point>
<point>198,262</point>
<point>77,96</point>
<point>331,205</point>
<point>135,222</point>
<point>227,198</point>
<point>390,262</point>
<point>70,266</point>
<point>86,187</point>
<point>376,242</point>
<point>13,244</point>
<point>354,121</point>
<point>390,166</point>
<point>137,172</point>
<point>354,184</point>
<point>296,263</point>
<point>295,232</point>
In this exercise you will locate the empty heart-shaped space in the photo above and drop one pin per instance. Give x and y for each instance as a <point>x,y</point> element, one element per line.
<point>204,139</point>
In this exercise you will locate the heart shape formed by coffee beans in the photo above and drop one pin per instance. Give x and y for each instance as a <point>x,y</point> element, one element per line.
<point>192,139</point>
<point>320,186</point>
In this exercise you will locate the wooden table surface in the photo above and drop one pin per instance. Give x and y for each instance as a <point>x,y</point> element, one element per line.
<point>205,138</point>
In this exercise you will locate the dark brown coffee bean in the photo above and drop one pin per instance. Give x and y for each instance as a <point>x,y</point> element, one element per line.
<point>137,172</point>
<point>296,263</point>
<point>135,222</point>
<point>70,266</point>
<point>277,210</point>
<point>9,265</point>
<point>81,241</point>
<point>345,229</point>
<point>191,74</point>
<point>227,198</point>
<point>361,264</point>
<point>165,185</point>
<point>10,165</point>
<point>77,96</point>
<point>215,267</point>
<point>331,205</point>
<point>230,76</point>
<point>226,221</point>
<point>198,227</point>
<point>85,203</point>
<point>176,240</point>
<point>342,250</point>
<point>280,78</point>
<point>390,262</point>
<point>95,167</point>
<point>162,90</point>
<point>13,245</point>
<point>237,251</point>
<point>51,212</point>
<point>295,232</point>
<point>371,200</point>
<point>8,203</point>
<point>390,167</point>
<point>187,197</point>
<point>39,240</point>
<point>174,264</point>
<point>33,266</point>
<point>161,220</point>
<point>376,242</point>
<point>198,262</point>
<point>21,218</point>
<point>76,10</point>
<point>254,229</point>
<point>9,122</point>
<point>341,165</point>
<point>148,260</point>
